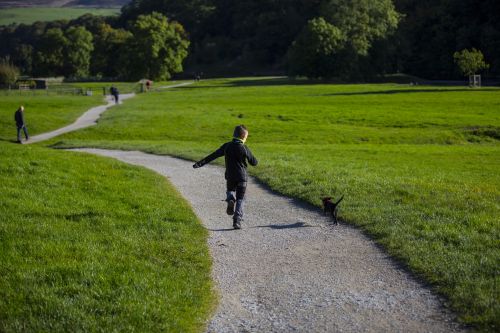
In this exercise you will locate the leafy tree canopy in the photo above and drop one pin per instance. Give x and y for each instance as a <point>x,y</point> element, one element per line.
<point>8,73</point>
<point>78,51</point>
<point>312,53</point>
<point>470,62</point>
<point>50,49</point>
<point>362,21</point>
<point>157,48</point>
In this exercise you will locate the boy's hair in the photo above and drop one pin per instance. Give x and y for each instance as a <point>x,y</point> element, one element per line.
<point>239,131</point>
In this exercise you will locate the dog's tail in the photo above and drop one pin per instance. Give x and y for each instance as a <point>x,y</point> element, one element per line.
<point>341,198</point>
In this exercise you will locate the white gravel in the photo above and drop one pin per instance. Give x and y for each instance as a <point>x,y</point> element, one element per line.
<point>289,270</point>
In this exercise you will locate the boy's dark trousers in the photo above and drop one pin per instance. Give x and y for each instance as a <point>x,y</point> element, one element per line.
<point>19,133</point>
<point>238,188</point>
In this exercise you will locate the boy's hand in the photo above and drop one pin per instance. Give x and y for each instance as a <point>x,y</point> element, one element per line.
<point>196,165</point>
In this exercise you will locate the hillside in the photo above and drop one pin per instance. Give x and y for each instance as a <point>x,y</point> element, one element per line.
<point>62,3</point>
<point>27,15</point>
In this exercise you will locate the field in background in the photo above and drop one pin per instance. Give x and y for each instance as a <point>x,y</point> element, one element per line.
<point>418,165</point>
<point>30,15</point>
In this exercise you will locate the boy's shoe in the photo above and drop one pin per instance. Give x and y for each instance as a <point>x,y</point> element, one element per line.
<point>236,225</point>
<point>230,207</point>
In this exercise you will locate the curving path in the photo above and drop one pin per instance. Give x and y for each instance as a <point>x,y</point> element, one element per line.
<point>89,118</point>
<point>288,270</point>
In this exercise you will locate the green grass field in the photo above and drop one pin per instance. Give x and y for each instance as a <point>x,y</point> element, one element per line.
<point>419,166</point>
<point>31,15</point>
<point>92,244</point>
<point>42,113</point>
<point>97,87</point>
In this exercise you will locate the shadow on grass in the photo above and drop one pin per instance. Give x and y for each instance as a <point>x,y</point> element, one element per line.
<point>406,91</point>
<point>275,81</point>
<point>9,140</point>
<point>284,81</point>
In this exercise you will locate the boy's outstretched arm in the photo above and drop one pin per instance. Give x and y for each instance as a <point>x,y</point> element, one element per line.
<point>251,159</point>
<point>216,154</point>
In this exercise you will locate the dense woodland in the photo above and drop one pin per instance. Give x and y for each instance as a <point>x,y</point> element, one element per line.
<point>350,39</point>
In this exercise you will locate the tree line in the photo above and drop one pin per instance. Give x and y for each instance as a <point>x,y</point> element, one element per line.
<point>150,46</point>
<point>351,39</point>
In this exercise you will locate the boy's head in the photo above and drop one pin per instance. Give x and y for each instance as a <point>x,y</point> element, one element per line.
<point>240,132</point>
<point>21,108</point>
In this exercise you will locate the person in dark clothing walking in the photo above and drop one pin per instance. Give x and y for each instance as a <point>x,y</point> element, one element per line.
<point>236,157</point>
<point>116,94</point>
<point>19,118</point>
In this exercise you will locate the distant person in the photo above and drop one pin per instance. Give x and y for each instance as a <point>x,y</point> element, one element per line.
<point>115,93</point>
<point>236,155</point>
<point>19,117</point>
<point>148,85</point>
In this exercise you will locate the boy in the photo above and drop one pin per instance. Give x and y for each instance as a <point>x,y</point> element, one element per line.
<point>236,155</point>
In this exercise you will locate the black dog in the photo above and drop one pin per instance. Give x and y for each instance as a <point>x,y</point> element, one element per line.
<point>332,207</point>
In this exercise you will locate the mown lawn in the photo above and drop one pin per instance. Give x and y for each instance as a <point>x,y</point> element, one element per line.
<point>419,166</point>
<point>92,244</point>
<point>42,113</point>
<point>31,15</point>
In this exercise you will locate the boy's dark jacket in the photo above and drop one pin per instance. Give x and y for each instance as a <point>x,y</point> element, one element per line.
<point>19,117</point>
<point>236,155</point>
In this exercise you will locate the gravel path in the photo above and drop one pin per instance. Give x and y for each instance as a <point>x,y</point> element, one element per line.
<point>90,117</point>
<point>288,270</point>
<point>87,119</point>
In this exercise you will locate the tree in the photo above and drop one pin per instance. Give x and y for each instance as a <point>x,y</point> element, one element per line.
<point>432,30</point>
<point>312,52</point>
<point>109,46</point>
<point>77,52</point>
<point>470,62</point>
<point>157,48</point>
<point>338,44</point>
<point>361,21</point>
<point>190,13</point>
<point>49,58</point>
<point>8,73</point>
<point>24,57</point>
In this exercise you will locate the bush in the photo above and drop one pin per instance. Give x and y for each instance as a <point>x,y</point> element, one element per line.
<point>8,73</point>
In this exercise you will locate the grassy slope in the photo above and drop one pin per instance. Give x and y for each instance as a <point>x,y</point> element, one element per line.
<point>30,15</point>
<point>419,166</point>
<point>42,113</point>
<point>91,244</point>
